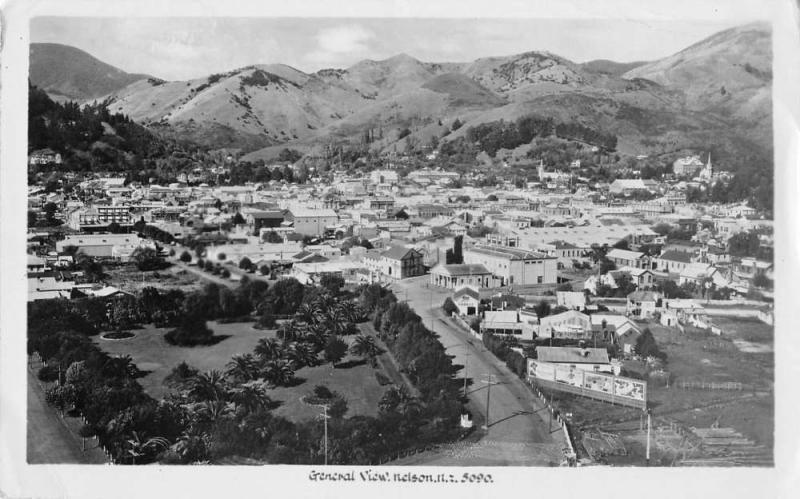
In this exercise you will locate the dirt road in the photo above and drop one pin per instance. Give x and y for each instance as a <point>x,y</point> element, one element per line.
<point>518,432</point>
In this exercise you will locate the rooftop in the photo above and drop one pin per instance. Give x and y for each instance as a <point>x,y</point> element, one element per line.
<point>572,355</point>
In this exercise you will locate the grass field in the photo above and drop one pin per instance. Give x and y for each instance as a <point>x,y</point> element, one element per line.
<point>355,380</point>
<point>128,278</point>
<point>151,353</point>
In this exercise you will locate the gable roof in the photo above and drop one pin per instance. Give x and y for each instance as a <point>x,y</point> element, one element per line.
<point>624,254</point>
<point>676,256</point>
<point>467,291</point>
<point>397,252</point>
<point>460,269</point>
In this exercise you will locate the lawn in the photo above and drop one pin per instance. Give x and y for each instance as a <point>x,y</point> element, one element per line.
<point>354,379</point>
<point>151,353</point>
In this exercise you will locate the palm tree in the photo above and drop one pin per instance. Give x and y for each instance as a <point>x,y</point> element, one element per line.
<point>137,446</point>
<point>242,367</point>
<point>302,354</point>
<point>213,410</point>
<point>289,330</point>
<point>352,311</point>
<point>308,312</point>
<point>251,396</point>
<point>268,349</point>
<point>365,347</point>
<point>209,385</point>
<point>317,335</point>
<point>278,373</point>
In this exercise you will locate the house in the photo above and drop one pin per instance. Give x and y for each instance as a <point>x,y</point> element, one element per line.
<point>587,359</point>
<point>514,266</point>
<point>673,261</point>
<point>566,325</point>
<point>467,299</point>
<point>426,211</point>
<point>688,312</point>
<point>612,326</point>
<point>453,276</point>
<point>505,323</point>
<point>593,281</point>
<point>697,273</point>
<point>643,278</point>
<point>573,300</point>
<point>396,262</point>
<point>643,304</point>
<point>36,264</point>
<point>627,258</point>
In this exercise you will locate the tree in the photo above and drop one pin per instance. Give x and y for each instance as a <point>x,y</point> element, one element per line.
<point>646,346</point>
<point>268,349</point>
<point>186,257</point>
<point>335,350</point>
<point>606,266</point>
<point>458,251</point>
<point>365,347</point>
<point>147,259</point>
<point>272,237</point>
<point>449,306</point>
<point>32,218</point>
<point>491,197</point>
<point>542,309</point>
<point>192,331</point>
<point>238,219</point>
<point>332,282</point>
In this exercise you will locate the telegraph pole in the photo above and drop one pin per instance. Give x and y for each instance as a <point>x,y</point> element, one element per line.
<point>647,452</point>
<point>466,362</point>
<point>488,382</point>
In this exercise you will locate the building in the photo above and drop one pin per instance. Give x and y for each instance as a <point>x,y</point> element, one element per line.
<point>513,266</point>
<point>686,167</point>
<point>467,299</point>
<point>258,220</point>
<point>643,278</point>
<point>627,186</point>
<point>100,245</point>
<point>100,216</point>
<point>455,275</point>
<point>44,157</point>
<point>587,359</point>
<point>505,323</point>
<point>566,325</point>
<point>673,261</point>
<point>643,304</point>
<point>626,258</point>
<point>312,222</point>
<point>397,262</point>
<point>573,300</point>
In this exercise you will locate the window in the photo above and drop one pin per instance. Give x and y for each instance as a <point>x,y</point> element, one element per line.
<point>539,280</point>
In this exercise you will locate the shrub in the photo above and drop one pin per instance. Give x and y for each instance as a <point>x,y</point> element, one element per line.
<point>186,257</point>
<point>48,374</point>
<point>225,273</point>
<point>192,331</point>
<point>221,256</point>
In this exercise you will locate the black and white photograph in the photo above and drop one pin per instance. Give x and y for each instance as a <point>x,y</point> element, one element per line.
<point>400,248</point>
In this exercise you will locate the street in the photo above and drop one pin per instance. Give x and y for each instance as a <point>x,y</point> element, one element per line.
<point>517,433</point>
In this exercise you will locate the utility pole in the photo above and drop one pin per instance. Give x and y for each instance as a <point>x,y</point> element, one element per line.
<point>325,425</point>
<point>489,383</point>
<point>647,452</point>
<point>466,362</point>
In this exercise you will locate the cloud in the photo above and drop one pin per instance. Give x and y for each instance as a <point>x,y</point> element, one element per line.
<point>344,39</point>
<point>340,45</point>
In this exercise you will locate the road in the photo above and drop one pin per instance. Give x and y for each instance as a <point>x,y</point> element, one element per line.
<point>518,432</point>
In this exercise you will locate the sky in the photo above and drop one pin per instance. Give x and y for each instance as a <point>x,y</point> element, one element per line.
<point>186,48</point>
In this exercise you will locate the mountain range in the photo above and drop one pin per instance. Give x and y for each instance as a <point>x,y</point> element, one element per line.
<point>713,95</point>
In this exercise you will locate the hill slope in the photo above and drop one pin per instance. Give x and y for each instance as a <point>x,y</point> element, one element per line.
<point>66,72</point>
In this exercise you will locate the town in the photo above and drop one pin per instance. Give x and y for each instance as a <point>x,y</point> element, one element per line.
<point>597,278</point>
<point>517,261</point>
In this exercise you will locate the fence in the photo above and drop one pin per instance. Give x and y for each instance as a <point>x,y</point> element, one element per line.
<point>569,448</point>
<point>710,385</point>
<point>35,361</point>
